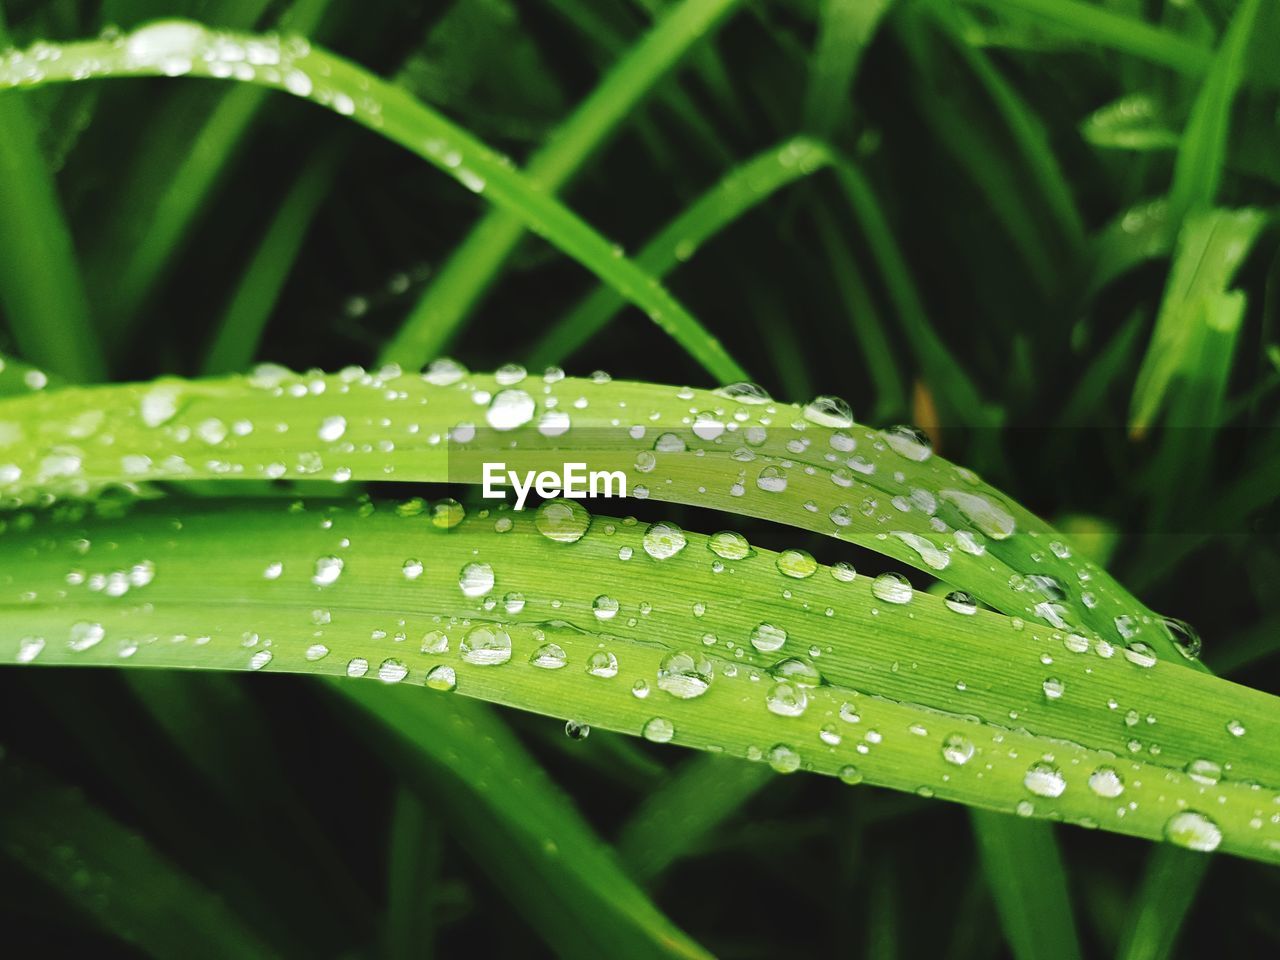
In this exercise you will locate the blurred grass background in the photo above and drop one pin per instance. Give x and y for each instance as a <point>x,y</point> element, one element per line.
<point>1042,229</point>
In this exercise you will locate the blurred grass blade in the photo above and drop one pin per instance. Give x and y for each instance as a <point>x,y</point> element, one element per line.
<point>523,832</point>
<point>845,28</point>
<point>701,794</point>
<point>1134,122</point>
<point>1024,873</point>
<point>1160,905</point>
<point>741,190</point>
<point>240,329</point>
<point>342,605</point>
<point>41,290</point>
<point>1197,173</point>
<point>157,207</point>
<point>111,873</point>
<point>178,47</point>
<point>413,874</point>
<point>1211,247</point>
<point>959,397</point>
<point>1095,23</point>
<point>477,260</point>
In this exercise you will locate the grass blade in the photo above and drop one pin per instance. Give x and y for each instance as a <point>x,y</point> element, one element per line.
<point>414,869</point>
<point>478,259</point>
<point>1025,875</point>
<point>845,28</point>
<point>1160,905</point>
<point>111,873</point>
<point>185,48</point>
<point>41,290</point>
<point>741,190</point>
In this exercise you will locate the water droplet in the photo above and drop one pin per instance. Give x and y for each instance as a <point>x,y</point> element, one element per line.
<point>983,512</point>
<point>850,775</point>
<point>957,749</point>
<point>392,671</point>
<point>685,675</point>
<point>640,689</point>
<point>509,374</point>
<point>443,372</point>
<point>1044,780</point>
<point>933,556</point>
<point>332,428</point>
<point>767,638</point>
<point>1235,728</point>
<point>1193,830</point>
<point>563,521</point>
<point>602,663</point>
<point>549,656</point>
<point>554,423</point>
<point>328,569</point>
<point>843,571</point>
<point>485,645</point>
<point>744,392</point>
<point>892,588</point>
<point>960,602</point>
<point>605,608</point>
<point>317,651</point>
<point>476,579</point>
<point>1184,636</point>
<point>442,677</point>
<point>829,412</point>
<point>510,409</point>
<point>1140,654</point>
<point>159,405</point>
<point>576,730</point>
<point>729,545</point>
<point>435,641</point>
<point>1053,688</point>
<point>1207,772</point>
<point>85,635</point>
<point>707,426</point>
<point>659,730</point>
<point>357,667</point>
<point>908,441</point>
<point>786,699</point>
<point>783,758</point>
<point>29,648</point>
<point>772,479</point>
<point>797,564</point>
<point>1106,782</point>
<point>412,569</point>
<point>664,540</point>
<point>797,670</point>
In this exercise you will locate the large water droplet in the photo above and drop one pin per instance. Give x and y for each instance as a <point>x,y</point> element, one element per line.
<point>767,638</point>
<point>1193,830</point>
<point>908,441</point>
<point>957,749</point>
<point>892,588</point>
<point>829,412</point>
<point>563,521</point>
<point>328,569</point>
<point>476,579</point>
<point>1044,780</point>
<point>797,564</point>
<point>983,512</point>
<point>729,545</point>
<point>664,540</point>
<point>510,409</point>
<point>659,730</point>
<point>602,663</point>
<point>442,677</point>
<point>783,758</point>
<point>549,656</point>
<point>1106,782</point>
<point>786,699</point>
<point>485,645</point>
<point>685,674</point>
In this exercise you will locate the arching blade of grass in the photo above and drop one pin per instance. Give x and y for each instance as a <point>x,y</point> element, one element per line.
<point>1093,23</point>
<point>703,791</point>
<point>413,872</point>
<point>729,450</point>
<point>1029,886</point>
<point>845,27</point>
<point>1211,247</point>
<point>513,616</point>
<point>241,326</point>
<point>189,49</point>
<point>742,189</point>
<point>1198,170</point>
<point>41,290</point>
<point>1160,904</point>
<point>110,873</point>
<point>517,825</point>
<point>161,200</point>
<point>478,259</point>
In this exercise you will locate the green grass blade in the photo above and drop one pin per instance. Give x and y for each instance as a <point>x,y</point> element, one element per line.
<point>522,830</point>
<point>160,204</point>
<point>1094,23</point>
<point>845,28</point>
<point>478,259</point>
<point>1134,122</point>
<point>186,48</point>
<point>1211,247</point>
<point>1160,905</point>
<point>702,793</point>
<point>206,592</point>
<point>41,290</point>
<point>1025,875</point>
<point>413,872</point>
<point>742,189</point>
<point>111,873</point>
<point>240,329</point>
<point>1197,173</point>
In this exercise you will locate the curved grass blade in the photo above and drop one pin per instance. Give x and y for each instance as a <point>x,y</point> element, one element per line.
<point>1027,881</point>
<point>731,450</point>
<point>110,873</point>
<point>1160,905</point>
<point>510,615</point>
<point>478,259</point>
<point>1096,24</point>
<point>184,48</point>
<point>240,329</point>
<point>845,29</point>
<point>741,190</point>
<point>41,289</point>
<point>519,828</point>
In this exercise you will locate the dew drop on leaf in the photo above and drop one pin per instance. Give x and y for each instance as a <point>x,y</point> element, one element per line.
<point>892,588</point>
<point>442,677</point>
<point>658,730</point>
<point>663,540</point>
<point>485,645</point>
<point>1193,830</point>
<point>475,579</point>
<point>562,521</point>
<point>685,674</point>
